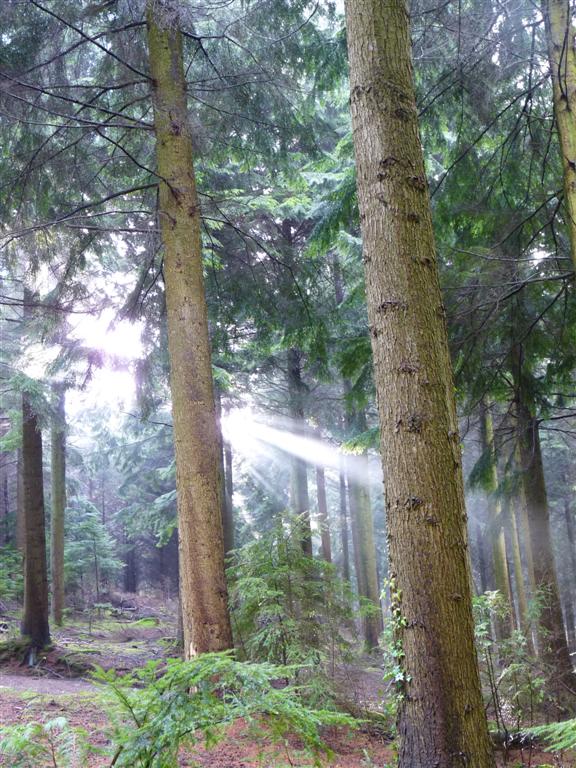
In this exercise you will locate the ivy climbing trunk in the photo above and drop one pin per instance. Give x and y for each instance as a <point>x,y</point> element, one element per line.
<point>35,621</point>
<point>560,38</point>
<point>58,461</point>
<point>442,722</point>
<point>206,622</point>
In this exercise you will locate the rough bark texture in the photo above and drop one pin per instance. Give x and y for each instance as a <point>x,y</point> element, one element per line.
<point>35,624</point>
<point>442,719</point>
<point>300,495</point>
<point>553,647</point>
<point>323,519</point>
<point>206,622</point>
<point>58,458</point>
<point>560,36</point>
<point>495,525</point>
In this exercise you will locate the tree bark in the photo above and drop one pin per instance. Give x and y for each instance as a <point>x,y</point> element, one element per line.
<point>560,38</point>
<point>442,718</point>
<point>206,622</point>
<point>58,456</point>
<point>323,518</point>
<point>35,623</point>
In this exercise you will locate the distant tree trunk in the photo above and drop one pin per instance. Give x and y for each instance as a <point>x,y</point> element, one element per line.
<point>300,496</point>
<point>131,570</point>
<point>20,532</point>
<point>344,527</point>
<point>365,546</point>
<point>228,495</point>
<point>206,622</point>
<point>58,456</point>
<point>225,454</point>
<point>554,648</point>
<point>568,517</point>
<point>35,623</point>
<point>560,35</point>
<point>442,717</point>
<point>524,623</point>
<point>323,518</point>
<point>495,525</point>
<point>483,576</point>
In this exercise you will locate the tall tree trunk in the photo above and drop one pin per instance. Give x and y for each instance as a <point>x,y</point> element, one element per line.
<point>560,34</point>
<point>344,527</point>
<point>300,496</point>
<point>568,517</point>
<point>554,648</point>
<point>323,518</point>
<point>206,622</point>
<point>35,623</point>
<point>225,457</point>
<point>20,532</point>
<point>442,718</point>
<point>483,575</point>
<point>365,547</point>
<point>524,622</point>
<point>495,525</point>
<point>58,457</point>
<point>130,569</point>
<point>228,496</point>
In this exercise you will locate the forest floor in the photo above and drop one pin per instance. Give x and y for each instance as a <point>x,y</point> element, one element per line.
<point>59,686</point>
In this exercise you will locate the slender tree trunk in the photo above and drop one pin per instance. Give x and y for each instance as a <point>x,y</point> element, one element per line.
<point>323,518</point>
<point>131,571</point>
<point>58,456</point>
<point>495,526</point>
<point>20,532</point>
<point>553,645</point>
<point>228,495</point>
<point>483,576</point>
<point>35,624</point>
<point>365,546</point>
<point>510,519</point>
<point>560,35</point>
<point>225,456</point>
<point>344,527</point>
<point>442,717</point>
<point>300,496</point>
<point>206,622</point>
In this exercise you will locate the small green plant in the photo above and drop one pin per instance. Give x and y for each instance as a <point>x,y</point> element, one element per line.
<point>394,671</point>
<point>35,745</point>
<point>11,578</point>
<point>557,736</point>
<point>288,608</point>
<point>155,712</point>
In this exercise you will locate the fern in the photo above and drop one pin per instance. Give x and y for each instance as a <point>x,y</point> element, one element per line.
<point>558,736</point>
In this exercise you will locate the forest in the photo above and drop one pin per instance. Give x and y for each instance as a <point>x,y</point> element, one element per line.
<point>287,383</point>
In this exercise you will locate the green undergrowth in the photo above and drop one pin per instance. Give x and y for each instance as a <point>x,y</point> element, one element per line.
<point>158,709</point>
